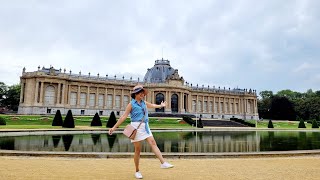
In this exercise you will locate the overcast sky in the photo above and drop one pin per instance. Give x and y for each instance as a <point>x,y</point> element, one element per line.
<point>263,45</point>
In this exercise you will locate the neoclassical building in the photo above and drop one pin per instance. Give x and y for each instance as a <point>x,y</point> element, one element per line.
<point>46,90</point>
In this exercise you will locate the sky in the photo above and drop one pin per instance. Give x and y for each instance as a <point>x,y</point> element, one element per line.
<point>262,45</point>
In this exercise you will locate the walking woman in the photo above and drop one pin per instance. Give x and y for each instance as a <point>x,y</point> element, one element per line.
<point>137,109</point>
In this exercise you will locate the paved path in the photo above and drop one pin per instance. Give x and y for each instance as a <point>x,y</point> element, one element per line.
<point>227,168</point>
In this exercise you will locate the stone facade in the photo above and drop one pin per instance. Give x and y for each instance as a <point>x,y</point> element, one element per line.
<point>46,90</point>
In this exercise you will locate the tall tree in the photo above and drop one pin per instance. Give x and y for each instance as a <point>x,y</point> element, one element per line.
<point>266,94</point>
<point>12,97</point>
<point>282,109</point>
<point>3,91</point>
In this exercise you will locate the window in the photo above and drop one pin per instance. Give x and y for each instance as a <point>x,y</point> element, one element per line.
<point>92,100</point>
<point>49,95</point>
<point>210,106</point>
<point>83,99</point>
<point>118,101</point>
<point>216,107</point>
<point>48,111</point>
<point>159,99</point>
<point>109,101</point>
<point>125,101</point>
<point>194,106</point>
<point>100,113</point>
<point>205,104</point>
<point>100,101</point>
<point>118,113</point>
<point>73,99</point>
<point>221,107</point>
<point>199,106</point>
<point>236,108</point>
<point>82,112</point>
<point>232,109</point>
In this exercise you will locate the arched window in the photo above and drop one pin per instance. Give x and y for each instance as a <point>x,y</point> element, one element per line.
<point>174,103</point>
<point>159,99</point>
<point>49,96</point>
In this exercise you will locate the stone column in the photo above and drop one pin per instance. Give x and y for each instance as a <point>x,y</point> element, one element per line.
<point>203,104</point>
<point>197,104</point>
<point>114,99</point>
<point>88,96</point>
<point>97,98</point>
<point>69,94</point>
<point>63,92</point>
<point>21,91</point>
<point>78,95</point>
<point>41,92</point>
<point>153,98</point>
<point>36,92</point>
<point>214,104</point>
<point>58,94</point>
<point>121,100</point>
<point>105,99</point>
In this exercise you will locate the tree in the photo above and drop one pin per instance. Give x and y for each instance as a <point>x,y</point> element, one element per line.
<point>57,120</point>
<point>68,121</point>
<point>96,120</point>
<point>266,94</point>
<point>11,97</point>
<point>282,109</point>
<point>3,90</point>
<point>112,120</point>
<point>270,124</point>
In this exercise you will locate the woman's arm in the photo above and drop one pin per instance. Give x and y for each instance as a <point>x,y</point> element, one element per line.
<point>122,118</point>
<point>161,105</point>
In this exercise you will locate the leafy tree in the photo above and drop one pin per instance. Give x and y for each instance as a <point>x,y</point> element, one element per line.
<point>270,124</point>
<point>3,121</point>
<point>3,90</point>
<point>301,124</point>
<point>112,120</point>
<point>266,94</point>
<point>11,97</point>
<point>282,109</point>
<point>68,121</point>
<point>57,120</point>
<point>96,120</point>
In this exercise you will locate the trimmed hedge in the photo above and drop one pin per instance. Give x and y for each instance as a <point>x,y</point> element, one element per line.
<point>68,121</point>
<point>96,120</point>
<point>112,120</point>
<point>301,124</point>
<point>170,115</point>
<point>192,122</point>
<point>3,121</point>
<point>57,120</point>
<point>241,121</point>
<point>270,124</point>
<point>315,124</point>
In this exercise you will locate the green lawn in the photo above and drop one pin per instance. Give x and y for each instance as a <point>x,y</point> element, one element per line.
<point>44,122</point>
<point>281,124</point>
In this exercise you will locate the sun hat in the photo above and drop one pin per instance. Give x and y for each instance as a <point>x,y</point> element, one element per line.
<point>139,88</point>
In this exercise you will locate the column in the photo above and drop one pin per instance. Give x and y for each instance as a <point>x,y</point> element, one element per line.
<point>21,91</point>
<point>41,92</point>
<point>218,108</point>
<point>58,94</point>
<point>36,92</point>
<point>234,106</point>
<point>121,100</point>
<point>78,95</point>
<point>69,94</point>
<point>88,96</point>
<point>182,103</point>
<point>152,98</point>
<point>197,104</point>
<point>214,104</point>
<point>63,92</point>
<point>105,98</point>
<point>114,98</point>
<point>203,104</point>
<point>97,98</point>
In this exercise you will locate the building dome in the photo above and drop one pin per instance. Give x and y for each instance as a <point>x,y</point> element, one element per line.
<point>159,72</point>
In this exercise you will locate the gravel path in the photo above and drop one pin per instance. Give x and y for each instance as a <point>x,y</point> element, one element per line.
<point>227,168</point>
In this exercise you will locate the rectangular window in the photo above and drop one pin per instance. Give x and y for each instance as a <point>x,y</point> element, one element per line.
<point>210,106</point>
<point>73,99</point>
<point>236,109</point>
<point>100,113</point>
<point>221,107</point>
<point>125,101</point>
<point>199,106</point>
<point>100,101</point>
<point>82,112</point>
<point>92,99</point>
<point>83,99</point>
<point>216,107</point>
<point>118,101</point>
<point>205,105</point>
<point>194,106</point>
<point>227,108</point>
<point>232,110</point>
<point>109,101</point>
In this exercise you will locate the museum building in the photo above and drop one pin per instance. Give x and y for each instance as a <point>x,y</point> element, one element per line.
<point>48,89</point>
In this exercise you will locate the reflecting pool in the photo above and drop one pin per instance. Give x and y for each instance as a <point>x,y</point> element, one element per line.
<point>174,142</point>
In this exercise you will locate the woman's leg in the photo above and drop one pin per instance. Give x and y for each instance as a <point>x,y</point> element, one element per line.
<point>137,150</point>
<point>155,148</point>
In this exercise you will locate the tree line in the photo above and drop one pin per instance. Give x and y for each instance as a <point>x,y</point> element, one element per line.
<point>289,105</point>
<point>9,96</point>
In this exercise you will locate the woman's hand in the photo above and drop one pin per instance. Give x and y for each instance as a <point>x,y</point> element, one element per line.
<point>163,104</point>
<point>111,130</point>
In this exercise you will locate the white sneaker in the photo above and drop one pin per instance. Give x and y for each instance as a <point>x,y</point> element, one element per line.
<point>166,165</point>
<point>138,175</point>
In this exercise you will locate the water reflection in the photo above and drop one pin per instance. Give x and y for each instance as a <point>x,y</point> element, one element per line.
<point>210,141</point>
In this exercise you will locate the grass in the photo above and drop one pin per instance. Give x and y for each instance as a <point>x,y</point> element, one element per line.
<point>281,124</point>
<point>44,122</point>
